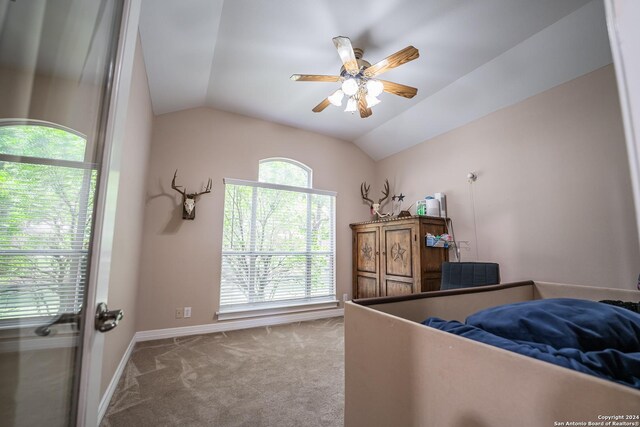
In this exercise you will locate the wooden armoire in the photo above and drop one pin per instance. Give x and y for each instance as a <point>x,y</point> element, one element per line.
<point>390,256</point>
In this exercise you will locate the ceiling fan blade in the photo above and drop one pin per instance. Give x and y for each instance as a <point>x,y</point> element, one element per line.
<point>345,50</point>
<point>324,104</point>
<point>364,110</point>
<point>314,78</point>
<point>403,56</point>
<point>398,89</point>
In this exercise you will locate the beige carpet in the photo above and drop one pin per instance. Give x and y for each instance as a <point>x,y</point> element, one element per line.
<point>288,375</point>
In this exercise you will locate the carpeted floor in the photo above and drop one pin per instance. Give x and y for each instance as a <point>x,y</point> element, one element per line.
<point>287,375</point>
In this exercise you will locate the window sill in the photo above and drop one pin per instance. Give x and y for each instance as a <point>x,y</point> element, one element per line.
<point>243,313</point>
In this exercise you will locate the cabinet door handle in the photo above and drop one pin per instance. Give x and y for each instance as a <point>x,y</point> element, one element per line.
<point>377,253</point>
<point>384,253</point>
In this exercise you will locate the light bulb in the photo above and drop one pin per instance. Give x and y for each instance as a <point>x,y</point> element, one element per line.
<point>350,86</point>
<point>336,98</point>
<point>374,87</point>
<point>371,100</point>
<point>351,105</point>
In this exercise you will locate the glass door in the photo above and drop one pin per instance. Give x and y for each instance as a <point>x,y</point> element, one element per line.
<point>56,71</point>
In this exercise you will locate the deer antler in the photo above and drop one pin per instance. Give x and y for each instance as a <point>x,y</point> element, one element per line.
<point>177,187</point>
<point>364,190</point>
<point>385,191</point>
<point>206,190</point>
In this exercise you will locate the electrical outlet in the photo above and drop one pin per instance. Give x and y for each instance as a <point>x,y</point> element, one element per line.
<point>179,313</point>
<point>345,297</point>
<point>187,312</point>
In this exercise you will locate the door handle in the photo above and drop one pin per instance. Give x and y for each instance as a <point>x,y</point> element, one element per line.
<point>60,319</point>
<point>107,319</point>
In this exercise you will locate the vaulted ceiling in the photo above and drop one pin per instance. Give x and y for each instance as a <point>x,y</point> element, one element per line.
<point>475,58</point>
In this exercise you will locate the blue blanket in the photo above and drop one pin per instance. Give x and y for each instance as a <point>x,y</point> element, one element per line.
<point>590,337</point>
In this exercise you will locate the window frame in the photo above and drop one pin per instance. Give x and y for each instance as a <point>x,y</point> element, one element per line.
<point>282,307</point>
<point>47,161</point>
<point>88,167</point>
<point>301,165</point>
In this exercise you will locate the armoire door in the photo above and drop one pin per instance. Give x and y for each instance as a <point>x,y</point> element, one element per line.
<point>399,260</point>
<point>366,247</point>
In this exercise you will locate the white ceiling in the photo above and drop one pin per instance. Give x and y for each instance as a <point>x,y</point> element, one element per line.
<point>475,57</point>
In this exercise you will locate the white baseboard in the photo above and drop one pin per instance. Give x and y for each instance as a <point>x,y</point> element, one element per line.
<point>230,325</point>
<point>108,394</point>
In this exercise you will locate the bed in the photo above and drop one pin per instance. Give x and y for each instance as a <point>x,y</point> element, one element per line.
<point>399,372</point>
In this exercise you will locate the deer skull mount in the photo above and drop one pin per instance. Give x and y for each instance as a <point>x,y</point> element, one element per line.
<point>189,199</point>
<point>375,207</point>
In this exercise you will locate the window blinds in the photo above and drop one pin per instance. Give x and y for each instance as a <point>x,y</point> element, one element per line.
<point>45,224</point>
<point>278,246</point>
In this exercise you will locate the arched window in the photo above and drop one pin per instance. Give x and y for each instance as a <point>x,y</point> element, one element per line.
<point>278,244</point>
<point>46,205</point>
<point>39,139</point>
<point>285,172</point>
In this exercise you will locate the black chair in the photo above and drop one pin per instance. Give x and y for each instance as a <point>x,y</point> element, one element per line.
<point>456,275</point>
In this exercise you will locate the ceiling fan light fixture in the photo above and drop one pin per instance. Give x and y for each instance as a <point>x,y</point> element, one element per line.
<point>358,79</point>
<point>351,105</point>
<point>371,100</point>
<point>336,98</point>
<point>374,87</point>
<point>350,86</point>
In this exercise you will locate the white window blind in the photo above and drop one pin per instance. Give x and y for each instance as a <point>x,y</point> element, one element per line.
<point>46,199</point>
<point>278,246</point>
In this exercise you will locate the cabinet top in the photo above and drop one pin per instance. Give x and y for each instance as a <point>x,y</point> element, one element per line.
<point>392,219</point>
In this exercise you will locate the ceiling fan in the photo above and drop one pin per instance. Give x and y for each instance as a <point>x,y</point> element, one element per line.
<point>358,81</point>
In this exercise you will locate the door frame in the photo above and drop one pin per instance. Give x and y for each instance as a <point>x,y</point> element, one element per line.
<point>622,17</point>
<point>104,223</point>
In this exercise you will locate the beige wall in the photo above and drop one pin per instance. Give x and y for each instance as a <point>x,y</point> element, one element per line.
<point>553,198</point>
<point>124,279</point>
<point>54,99</point>
<point>181,259</point>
